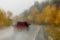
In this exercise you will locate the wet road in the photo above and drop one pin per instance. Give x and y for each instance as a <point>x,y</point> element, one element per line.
<point>36,32</point>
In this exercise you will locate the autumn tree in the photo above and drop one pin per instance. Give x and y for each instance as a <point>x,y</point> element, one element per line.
<point>57,20</point>
<point>52,14</point>
<point>33,13</point>
<point>4,21</point>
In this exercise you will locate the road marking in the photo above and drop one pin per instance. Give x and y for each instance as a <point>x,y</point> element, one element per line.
<point>36,33</point>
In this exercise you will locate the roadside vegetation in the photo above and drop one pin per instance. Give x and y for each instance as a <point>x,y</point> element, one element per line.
<point>53,32</point>
<point>4,19</point>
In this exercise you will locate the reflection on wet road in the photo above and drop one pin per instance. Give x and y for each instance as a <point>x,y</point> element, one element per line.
<point>35,33</point>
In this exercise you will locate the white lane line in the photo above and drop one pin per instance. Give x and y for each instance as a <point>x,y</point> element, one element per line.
<point>36,33</point>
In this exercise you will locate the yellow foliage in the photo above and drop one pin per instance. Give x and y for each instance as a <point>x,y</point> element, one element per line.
<point>46,10</point>
<point>52,15</point>
<point>30,17</point>
<point>37,19</point>
<point>57,21</point>
<point>48,15</point>
<point>4,21</point>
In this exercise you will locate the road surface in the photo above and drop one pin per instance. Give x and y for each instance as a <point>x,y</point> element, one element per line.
<point>36,32</point>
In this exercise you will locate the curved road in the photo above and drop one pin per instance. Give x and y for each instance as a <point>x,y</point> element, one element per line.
<point>36,32</point>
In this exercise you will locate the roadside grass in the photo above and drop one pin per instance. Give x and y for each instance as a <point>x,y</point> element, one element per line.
<point>53,31</point>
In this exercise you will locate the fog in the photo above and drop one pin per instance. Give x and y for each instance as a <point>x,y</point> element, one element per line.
<point>17,6</point>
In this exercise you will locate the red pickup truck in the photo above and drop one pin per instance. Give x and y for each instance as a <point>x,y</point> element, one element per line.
<point>22,25</point>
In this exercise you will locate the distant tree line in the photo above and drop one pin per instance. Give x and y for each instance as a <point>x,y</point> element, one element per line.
<point>43,13</point>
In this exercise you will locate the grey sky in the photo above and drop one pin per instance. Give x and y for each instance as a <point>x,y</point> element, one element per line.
<point>17,6</point>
